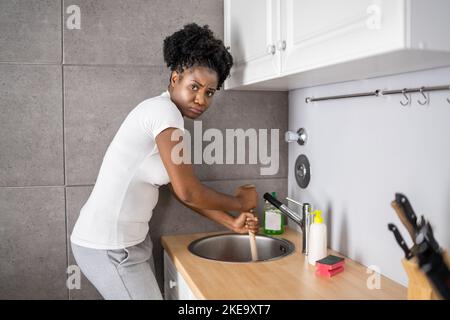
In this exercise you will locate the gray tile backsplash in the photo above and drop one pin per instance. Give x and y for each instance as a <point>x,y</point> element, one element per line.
<point>131,32</point>
<point>31,139</point>
<point>59,114</point>
<point>245,110</point>
<point>32,243</point>
<point>30,31</point>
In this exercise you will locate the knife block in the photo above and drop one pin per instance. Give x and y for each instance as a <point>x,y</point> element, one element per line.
<point>419,288</point>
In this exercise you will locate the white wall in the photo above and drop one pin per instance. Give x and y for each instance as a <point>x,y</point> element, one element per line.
<point>362,151</point>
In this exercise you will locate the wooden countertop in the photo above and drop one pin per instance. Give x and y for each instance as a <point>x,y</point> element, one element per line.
<point>288,278</point>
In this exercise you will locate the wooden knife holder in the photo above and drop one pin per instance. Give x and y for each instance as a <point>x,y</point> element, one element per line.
<point>419,287</point>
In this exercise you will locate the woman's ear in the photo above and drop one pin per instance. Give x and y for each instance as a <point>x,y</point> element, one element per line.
<point>174,78</point>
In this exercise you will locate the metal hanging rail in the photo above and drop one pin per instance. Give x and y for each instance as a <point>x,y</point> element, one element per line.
<point>378,93</point>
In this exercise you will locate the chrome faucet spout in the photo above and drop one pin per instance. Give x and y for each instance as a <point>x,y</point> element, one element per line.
<point>284,209</point>
<point>303,221</point>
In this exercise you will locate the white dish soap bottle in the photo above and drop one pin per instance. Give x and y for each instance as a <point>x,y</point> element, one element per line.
<point>317,239</point>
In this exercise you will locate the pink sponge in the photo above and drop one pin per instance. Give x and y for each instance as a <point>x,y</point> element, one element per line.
<point>329,273</point>
<point>329,266</point>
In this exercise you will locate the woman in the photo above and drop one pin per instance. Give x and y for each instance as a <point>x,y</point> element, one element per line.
<point>110,240</point>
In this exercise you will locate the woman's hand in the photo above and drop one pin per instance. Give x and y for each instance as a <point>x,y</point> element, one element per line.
<point>247,196</point>
<point>246,222</point>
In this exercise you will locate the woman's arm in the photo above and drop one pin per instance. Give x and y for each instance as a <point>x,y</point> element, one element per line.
<point>244,223</point>
<point>191,191</point>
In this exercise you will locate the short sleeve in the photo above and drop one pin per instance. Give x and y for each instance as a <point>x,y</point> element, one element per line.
<point>161,115</point>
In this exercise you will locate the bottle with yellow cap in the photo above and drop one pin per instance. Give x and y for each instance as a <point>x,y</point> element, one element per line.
<point>317,239</point>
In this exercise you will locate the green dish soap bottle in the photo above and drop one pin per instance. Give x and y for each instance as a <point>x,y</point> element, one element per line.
<point>273,218</point>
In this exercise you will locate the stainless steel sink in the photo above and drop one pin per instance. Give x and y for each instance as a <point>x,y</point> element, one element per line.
<point>232,247</point>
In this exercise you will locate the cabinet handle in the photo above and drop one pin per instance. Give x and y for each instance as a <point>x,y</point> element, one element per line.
<point>282,45</point>
<point>271,49</point>
<point>172,284</point>
<point>373,21</point>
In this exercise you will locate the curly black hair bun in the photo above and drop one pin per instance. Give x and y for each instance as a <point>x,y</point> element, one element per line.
<point>196,46</point>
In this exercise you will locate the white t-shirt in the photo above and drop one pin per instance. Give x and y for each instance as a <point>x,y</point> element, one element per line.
<point>118,210</point>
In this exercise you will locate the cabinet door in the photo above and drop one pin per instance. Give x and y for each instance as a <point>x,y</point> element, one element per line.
<point>252,29</point>
<point>325,32</point>
<point>171,287</point>
<point>175,287</point>
<point>184,291</point>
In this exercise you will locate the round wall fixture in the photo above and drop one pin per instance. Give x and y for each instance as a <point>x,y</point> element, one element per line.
<point>302,171</point>
<point>300,136</point>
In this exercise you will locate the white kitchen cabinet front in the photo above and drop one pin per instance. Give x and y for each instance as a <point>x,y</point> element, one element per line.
<point>288,44</point>
<point>252,29</point>
<point>325,32</point>
<point>175,287</point>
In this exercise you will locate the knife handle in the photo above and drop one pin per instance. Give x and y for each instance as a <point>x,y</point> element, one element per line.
<point>400,241</point>
<point>402,216</point>
<point>403,201</point>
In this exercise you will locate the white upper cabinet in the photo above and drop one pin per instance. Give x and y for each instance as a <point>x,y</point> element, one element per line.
<point>323,32</point>
<point>252,31</point>
<point>289,44</point>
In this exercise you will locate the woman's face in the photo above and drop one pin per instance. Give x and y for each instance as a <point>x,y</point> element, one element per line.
<point>193,90</point>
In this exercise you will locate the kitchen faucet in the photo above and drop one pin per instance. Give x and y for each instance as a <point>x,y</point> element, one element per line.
<point>304,221</point>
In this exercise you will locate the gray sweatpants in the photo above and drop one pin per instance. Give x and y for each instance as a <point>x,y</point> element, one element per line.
<point>123,274</point>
